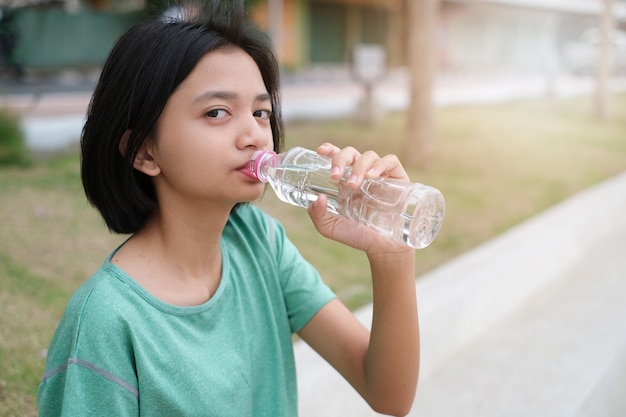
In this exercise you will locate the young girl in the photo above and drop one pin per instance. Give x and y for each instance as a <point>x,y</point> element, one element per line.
<point>194,314</point>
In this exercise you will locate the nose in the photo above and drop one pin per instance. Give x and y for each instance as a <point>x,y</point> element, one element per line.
<point>254,132</point>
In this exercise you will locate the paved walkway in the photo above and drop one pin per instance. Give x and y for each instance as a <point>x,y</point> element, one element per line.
<point>531,323</point>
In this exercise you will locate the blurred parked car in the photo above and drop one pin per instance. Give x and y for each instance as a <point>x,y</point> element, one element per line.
<point>580,56</point>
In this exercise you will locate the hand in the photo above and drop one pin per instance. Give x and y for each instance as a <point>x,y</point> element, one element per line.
<point>367,165</point>
<point>363,166</point>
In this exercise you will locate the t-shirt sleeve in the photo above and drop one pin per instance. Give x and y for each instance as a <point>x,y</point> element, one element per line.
<point>79,389</point>
<point>304,290</point>
<point>82,375</point>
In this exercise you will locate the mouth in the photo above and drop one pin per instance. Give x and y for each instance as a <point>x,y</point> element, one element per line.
<point>245,169</point>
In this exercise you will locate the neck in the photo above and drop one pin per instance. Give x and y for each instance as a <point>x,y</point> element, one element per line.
<point>189,243</point>
<point>176,257</point>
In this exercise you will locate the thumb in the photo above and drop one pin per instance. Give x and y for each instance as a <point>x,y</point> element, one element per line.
<point>322,220</point>
<point>317,209</point>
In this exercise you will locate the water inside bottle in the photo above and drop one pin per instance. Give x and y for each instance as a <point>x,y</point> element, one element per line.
<point>301,186</point>
<point>409,214</point>
<point>384,206</point>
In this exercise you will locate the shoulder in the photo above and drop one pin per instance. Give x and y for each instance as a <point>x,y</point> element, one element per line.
<point>95,313</point>
<point>92,344</point>
<point>99,296</point>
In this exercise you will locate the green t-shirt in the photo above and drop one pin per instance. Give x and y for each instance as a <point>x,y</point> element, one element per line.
<point>119,351</point>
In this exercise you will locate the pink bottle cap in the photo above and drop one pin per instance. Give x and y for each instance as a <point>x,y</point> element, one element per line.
<point>254,166</point>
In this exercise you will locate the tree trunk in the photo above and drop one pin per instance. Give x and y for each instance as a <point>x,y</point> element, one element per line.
<point>605,60</point>
<point>421,52</point>
<point>275,13</point>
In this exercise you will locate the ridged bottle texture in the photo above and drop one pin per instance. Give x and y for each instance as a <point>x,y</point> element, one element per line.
<point>407,212</point>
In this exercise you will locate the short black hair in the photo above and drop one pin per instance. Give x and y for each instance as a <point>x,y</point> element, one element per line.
<point>143,69</point>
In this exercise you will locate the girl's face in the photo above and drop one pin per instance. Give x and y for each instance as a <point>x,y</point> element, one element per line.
<point>210,127</point>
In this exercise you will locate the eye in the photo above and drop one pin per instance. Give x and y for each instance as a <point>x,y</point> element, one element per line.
<point>263,114</point>
<point>217,113</point>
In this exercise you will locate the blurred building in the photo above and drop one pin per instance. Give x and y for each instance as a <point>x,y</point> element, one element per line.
<point>59,34</point>
<point>473,35</point>
<point>325,32</point>
<point>514,35</point>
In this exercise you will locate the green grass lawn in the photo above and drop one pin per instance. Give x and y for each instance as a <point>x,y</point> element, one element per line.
<point>496,165</point>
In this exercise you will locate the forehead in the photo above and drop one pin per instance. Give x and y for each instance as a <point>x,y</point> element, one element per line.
<point>230,68</point>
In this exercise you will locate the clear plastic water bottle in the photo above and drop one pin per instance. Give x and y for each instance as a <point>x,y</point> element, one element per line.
<point>407,212</point>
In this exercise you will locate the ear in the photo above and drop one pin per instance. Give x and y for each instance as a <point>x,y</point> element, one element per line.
<point>144,160</point>
<point>124,142</point>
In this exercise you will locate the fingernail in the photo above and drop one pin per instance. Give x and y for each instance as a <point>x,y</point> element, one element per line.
<point>336,171</point>
<point>352,179</point>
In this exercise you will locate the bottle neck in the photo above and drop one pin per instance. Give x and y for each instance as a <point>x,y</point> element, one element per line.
<point>259,164</point>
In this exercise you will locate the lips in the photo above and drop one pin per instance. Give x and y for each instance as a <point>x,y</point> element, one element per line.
<point>245,169</point>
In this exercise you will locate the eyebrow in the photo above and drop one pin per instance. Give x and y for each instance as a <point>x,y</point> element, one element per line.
<point>228,95</point>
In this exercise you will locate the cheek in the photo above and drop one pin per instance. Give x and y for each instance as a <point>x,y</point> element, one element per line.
<point>184,159</point>
<point>190,161</point>
<point>182,143</point>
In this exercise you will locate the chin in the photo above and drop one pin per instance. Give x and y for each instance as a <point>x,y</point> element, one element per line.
<point>256,192</point>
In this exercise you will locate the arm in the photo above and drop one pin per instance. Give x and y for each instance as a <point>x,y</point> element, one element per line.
<point>383,367</point>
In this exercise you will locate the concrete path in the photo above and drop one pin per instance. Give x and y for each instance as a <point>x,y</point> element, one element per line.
<point>531,323</point>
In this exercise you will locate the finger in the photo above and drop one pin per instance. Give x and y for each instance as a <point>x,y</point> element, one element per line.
<point>361,165</point>
<point>389,166</point>
<point>345,157</point>
<point>320,217</point>
<point>317,209</point>
<point>328,149</point>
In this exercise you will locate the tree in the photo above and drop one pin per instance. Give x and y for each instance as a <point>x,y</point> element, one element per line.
<point>605,59</point>
<point>275,12</point>
<point>422,46</point>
